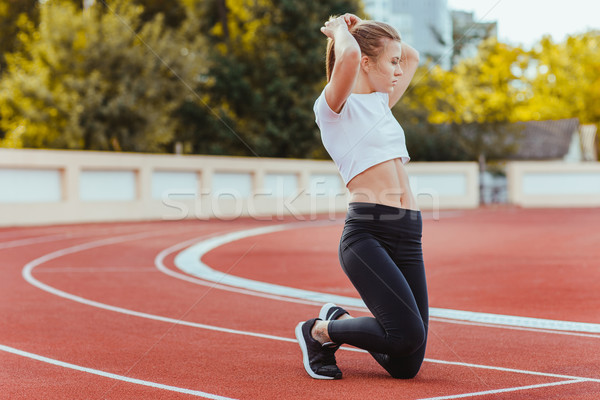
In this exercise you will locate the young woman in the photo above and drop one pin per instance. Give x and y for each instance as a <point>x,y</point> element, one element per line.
<point>368,70</point>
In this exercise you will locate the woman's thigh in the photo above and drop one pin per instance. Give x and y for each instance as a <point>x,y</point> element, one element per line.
<point>382,286</point>
<point>408,256</point>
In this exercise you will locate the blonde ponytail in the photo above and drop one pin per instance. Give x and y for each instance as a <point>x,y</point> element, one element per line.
<point>330,57</point>
<point>370,37</point>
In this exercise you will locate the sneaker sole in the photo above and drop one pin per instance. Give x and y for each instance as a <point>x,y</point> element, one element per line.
<point>305,362</point>
<point>324,310</point>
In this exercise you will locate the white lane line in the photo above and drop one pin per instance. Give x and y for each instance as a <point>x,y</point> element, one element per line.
<point>160,265</point>
<point>54,238</point>
<point>496,391</point>
<point>34,240</point>
<point>95,269</point>
<point>25,232</point>
<point>110,375</point>
<point>27,274</point>
<point>190,261</point>
<point>516,328</point>
<point>29,267</point>
<point>67,236</point>
<point>514,370</point>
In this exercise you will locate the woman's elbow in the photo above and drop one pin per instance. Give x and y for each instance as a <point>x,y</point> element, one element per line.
<point>410,53</point>
<point>351,55</point>
<point>416,56</point>
<point>413,55</point>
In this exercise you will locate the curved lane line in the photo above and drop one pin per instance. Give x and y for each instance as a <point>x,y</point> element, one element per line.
<point>33,240</point>
<point>28,268</point>
<point>27,275</point>
<point>190,261</point>
<point>110,375</point>
<point>506,390</point>
<point>160,265</point>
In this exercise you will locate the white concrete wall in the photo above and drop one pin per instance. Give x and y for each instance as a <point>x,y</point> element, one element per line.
<point>445,185</point>
<point>554,184</point>
<point>50,186</point>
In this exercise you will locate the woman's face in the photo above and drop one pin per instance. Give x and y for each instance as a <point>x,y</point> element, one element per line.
<point>384,76</point>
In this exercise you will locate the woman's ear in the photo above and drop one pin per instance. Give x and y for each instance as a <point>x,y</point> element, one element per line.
<point>365,63</point>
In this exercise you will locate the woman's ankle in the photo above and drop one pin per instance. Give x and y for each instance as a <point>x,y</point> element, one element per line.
<point>319,332</point>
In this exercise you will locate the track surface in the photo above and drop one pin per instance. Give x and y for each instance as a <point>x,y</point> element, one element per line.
<point>102,311</point>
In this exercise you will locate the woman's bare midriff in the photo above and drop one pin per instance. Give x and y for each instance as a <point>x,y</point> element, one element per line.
<point>385,183</point>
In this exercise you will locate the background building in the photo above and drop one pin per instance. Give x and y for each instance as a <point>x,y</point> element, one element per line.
<point>424,24</point>
<point>442,35</point>
<point>468,33</point>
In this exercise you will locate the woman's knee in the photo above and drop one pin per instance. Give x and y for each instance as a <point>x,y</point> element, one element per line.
<point>405,372</point>
<point>408,341</point>
<point>401,367</point>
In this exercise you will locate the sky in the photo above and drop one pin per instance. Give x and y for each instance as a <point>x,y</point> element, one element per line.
<point>524,22</point>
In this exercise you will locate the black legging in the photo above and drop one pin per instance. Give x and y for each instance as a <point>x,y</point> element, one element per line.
<point>380,251</point>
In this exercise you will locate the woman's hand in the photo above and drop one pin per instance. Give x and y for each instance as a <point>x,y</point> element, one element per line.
<point>344,22</point>
<point>351,20</point>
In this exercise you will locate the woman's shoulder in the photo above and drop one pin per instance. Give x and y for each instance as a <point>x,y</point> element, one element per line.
<point>323,110</point>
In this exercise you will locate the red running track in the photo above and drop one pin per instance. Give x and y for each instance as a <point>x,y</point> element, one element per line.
<point>101,311</point>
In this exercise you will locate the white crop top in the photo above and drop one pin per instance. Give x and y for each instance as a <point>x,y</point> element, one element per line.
<point>363,134</point>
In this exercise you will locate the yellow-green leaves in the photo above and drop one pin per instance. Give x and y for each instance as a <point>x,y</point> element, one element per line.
<point>100,79</point>
<point>506,84</point>
<point>566,82</point>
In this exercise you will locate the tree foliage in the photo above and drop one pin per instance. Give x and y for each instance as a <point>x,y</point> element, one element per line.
<point>240,77</point>
<point>566,79</point>
<point>265,69</point>
<point>96,80</point>
<point>469,108</point>
<point>11,12</point>
<point>479,98</point>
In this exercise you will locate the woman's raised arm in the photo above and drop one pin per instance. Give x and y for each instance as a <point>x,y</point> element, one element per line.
<point>409,63</point>
<point>346,61</point>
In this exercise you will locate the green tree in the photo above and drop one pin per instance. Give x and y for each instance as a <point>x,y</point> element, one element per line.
<point>566,82</point>
<point>11,11</point>
<point>265,69</point>
<point>476,100</point>
<point>89,81</point>
<point>480,97</point>
<point>173,11</point>
<point>427,141</point>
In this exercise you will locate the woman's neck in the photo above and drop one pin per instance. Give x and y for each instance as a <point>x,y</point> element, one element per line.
<point>361,86</point>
